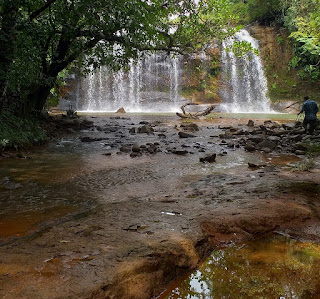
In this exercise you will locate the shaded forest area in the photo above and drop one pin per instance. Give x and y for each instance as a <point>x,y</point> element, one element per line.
<point>42,41</point>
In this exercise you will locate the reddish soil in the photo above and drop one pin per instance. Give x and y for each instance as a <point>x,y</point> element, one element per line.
<point>134,247</point>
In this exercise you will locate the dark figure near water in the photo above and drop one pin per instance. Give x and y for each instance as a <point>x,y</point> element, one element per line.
<point>310,109</point>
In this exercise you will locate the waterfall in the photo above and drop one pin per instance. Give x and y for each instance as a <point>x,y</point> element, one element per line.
<point>150,85</point>
<point>244,83</point>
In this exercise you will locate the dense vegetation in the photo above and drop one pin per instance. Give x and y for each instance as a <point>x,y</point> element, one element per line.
<point>301,18</point>
<point>42,39</point>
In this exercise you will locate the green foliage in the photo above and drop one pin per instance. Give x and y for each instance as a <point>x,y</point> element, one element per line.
<point>280,40</point>
<point>264,11</point>
<point>242,48</point>
<point>305,165</point>
<point>48,37</point>
<point>19,132</point>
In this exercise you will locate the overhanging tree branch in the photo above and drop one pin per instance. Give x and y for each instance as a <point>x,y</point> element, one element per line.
<point>36,13</point>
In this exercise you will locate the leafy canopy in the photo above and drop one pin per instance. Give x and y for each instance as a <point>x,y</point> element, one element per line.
<point>48,36</point>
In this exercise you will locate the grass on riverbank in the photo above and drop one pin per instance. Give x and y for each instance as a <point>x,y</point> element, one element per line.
<point>20,132</point>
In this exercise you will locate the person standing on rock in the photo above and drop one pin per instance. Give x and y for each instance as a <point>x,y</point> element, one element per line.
<point>310,109</point>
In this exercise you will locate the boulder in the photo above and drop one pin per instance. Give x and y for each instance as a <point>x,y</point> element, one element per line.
<point>179,152</point>
<point>278,132</point>
<point>249,147</point>
<point>289,126</point>
<point>146,129</point>
<point>209,159</point>
<point>121,110</point>
<point>185,135</point>
<point>86,124</point>
<point>190,127</point>
<point>266,143</point>
<point>132,130</point>
<point>125,149</point>
<point>274,138</point>
<point>256,139</point>
<point>266,150</point>
<point>250,123</point>
<point>136,148</point>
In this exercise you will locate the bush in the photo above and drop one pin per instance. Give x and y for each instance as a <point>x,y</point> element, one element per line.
<point>20,132</point>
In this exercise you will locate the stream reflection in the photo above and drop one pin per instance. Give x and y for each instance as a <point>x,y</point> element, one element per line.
<point>278,267</point>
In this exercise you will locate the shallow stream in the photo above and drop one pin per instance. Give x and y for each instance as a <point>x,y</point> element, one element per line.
<point>275,267</point>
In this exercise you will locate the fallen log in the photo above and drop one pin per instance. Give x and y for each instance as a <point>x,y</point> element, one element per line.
<point>195,115</point>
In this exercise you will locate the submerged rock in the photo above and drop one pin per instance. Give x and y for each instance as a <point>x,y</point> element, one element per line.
<point>209,159</point>
<point>185,135</point>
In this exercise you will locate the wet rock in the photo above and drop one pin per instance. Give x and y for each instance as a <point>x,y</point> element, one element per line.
<point>226,136</point>
<point>274,139</point>
<point>136,148</point>
<point>278,132</point>
<point>121,110</point>
<point>90,139</point>
<point>299,152</point>
<point>106,154</point>
<point>266,150</point>
<point>86,124</point>
<point>180,152</point>
<point>298,131</point>
<point>256,166</point>
<point>144,122</point>
<point>289,126</point>
<point>209,159</point>
<point>125,149</point>
<point>256,139</point>
<point>185,135</point>
<point>250,147</point>
<point>266,143</point>
<point>161,135</point>
<point>23,157</point>
<point>295,137</point>
<point>146,129</point>
<point>152,148</point>
<point>224,127</point>
<point>9,184</point>
<point>190,127</point>
<point>250,123</point>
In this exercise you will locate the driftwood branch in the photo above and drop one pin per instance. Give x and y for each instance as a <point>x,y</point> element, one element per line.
<point>195,115</point>
<point>291,105</point>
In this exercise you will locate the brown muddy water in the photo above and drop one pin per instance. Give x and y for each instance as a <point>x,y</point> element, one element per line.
<point>68,177</point>
<point>276,267</point>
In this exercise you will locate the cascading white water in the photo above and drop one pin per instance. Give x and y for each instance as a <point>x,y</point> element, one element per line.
<point>244,83</point>
<point>150,85</point>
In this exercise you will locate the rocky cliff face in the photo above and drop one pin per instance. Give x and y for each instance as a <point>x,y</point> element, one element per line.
<point>277,51</point>
<point>201,77</point>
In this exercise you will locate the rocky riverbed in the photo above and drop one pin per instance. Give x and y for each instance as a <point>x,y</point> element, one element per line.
<point>131,202</point>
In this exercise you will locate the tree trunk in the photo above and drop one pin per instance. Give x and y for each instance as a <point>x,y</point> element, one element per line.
<point>37,98</point>
<point>194,114</point>
<point>9,20</point>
